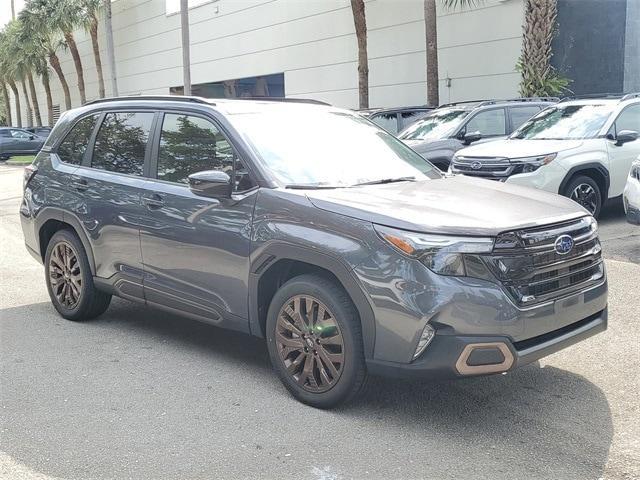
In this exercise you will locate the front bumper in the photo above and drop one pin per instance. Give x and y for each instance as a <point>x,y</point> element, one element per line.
<point>442,359</point>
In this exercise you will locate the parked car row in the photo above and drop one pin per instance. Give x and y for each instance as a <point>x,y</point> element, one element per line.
<point>21,141</point>
<point>346,250</point>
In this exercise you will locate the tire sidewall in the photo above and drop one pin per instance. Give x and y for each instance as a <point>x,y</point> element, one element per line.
<point>348,322</point>
<point>76,313</point>
<point>588,181</point>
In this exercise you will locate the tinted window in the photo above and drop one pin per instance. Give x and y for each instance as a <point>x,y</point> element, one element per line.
<point>407,118</point>
<point>121,142</point>
<point>519,115</point>
<point>388,121</point>
<point>563,122</point>
<point>629,119</point>
<point>20,134</point>
<point>438,124</point>
<point>489,122</point>
<point>74,145</point>
<point>191,144</point>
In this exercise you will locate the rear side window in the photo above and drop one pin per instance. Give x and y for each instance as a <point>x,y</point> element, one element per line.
<point>488,123</point>
<point>388,121</point>
<point>121,142</point>
<point>519,115</point>
<point>74,145</point>
<point>407,118</point>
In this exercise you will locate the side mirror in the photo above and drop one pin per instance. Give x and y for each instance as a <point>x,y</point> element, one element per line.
<point>210,183</point>
<point>626,136</point>
<point>469,138</point>
<point>32,137</point>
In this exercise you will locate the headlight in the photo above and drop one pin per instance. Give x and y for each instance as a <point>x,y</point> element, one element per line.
<point>441,254</point>
<point>635,170</point>
<point>531,164</point>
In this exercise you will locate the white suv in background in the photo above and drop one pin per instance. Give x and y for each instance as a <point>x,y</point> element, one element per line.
<point>582,149</point>
<point>631,197</point>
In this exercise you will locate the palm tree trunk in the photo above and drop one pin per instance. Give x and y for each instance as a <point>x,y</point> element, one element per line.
<point>54,61</point>
<point>431,37</point>
<point>110,53</point>
<point>26,97</point>
<point>73,48</point>
<point>186,57</point>
<point>5,98</point>
<point>13,10</point>
<point>360,22</point>
<point>16,97</point>
<point>93,31</point>
<point>34,100</point>
<point>47,91</point>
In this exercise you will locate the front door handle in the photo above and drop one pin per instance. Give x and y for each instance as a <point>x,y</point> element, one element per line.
<point>153,201</point>
<point>81,185</point>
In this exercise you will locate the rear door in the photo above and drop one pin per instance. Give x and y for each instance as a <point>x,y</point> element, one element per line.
<point>108,187</point>
<point>196,249</point>
<point>621,156</point>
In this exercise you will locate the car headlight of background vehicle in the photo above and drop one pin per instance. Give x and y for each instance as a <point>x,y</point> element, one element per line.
<point>442,254</point>
<point>635,170</point>
<point>531,164</point>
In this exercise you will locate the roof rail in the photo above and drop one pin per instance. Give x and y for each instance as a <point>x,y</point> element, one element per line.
<point>604,96</point>
<point>162,98</point>
<point>495,101</point>
<point>283,100</point>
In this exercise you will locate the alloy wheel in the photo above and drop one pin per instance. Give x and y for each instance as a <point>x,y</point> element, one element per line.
<point>65,276</point>
<point>310,343</point>
<point>585,195</point>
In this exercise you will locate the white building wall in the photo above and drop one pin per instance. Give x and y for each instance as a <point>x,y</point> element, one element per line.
<point>313,43</point>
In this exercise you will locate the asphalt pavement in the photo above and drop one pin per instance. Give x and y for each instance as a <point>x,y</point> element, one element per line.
<point>141,394</point>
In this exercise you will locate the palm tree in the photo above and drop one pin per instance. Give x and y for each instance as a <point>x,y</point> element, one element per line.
<point>360,23</point>
<point>63,16</point>
<point>7,73</point>
<point>5,101</point>
<point>35,21</point>
<point>17,65</point>
<point>89,20</point>
<point>186,56</point>
<point>539,78</point>
<point>431,37</point>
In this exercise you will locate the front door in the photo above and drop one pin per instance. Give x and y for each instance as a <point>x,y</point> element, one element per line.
<point>195,249</point>
<point>621,156</point>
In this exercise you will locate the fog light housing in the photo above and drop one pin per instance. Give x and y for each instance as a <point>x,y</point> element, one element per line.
<point>427,335</point>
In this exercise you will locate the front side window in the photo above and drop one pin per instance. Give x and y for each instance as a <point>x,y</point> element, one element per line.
<point>407,118</point>
<point>565,122</point>
<point>190,144</point>
<point>20,134</point>
<point>488,123</point>
<point>438,124</point>
<point>519,115</point>
<point>121,142</point>
<point>317,147</point>
<point>629,119</point>
<point>74,145</point>
<point>388,121</point>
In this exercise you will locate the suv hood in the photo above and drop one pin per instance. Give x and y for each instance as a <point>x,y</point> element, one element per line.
<point>518,148</point>
<point>453,205</point>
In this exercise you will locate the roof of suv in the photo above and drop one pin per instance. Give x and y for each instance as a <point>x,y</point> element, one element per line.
<point>473,104</point>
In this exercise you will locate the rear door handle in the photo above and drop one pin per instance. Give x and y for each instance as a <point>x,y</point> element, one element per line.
<point>153,201</point>
<point>81,185</point>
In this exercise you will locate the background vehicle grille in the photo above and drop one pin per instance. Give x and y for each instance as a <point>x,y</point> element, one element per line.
<point>491,168</point>
<point>532,271</point>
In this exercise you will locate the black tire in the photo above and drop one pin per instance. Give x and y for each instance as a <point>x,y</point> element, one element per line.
<point>90,301</point>
<point>341,311</point>
<point>586,192</point>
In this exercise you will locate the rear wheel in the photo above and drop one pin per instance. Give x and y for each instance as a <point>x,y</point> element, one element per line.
<point>585,191</point>
<point>315,341</point>
<point>69,280</point>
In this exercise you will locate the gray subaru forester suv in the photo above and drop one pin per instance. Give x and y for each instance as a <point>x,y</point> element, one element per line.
<point>309,226</point>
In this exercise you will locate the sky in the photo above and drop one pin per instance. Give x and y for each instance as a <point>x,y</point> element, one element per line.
<point>5,10</point>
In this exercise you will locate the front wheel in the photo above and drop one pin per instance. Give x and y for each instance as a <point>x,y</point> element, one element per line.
<point>315,341</point>
<point>585,191</point>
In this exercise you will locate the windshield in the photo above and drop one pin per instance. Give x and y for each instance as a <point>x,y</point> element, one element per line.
<point>438,124</point>
<point>328,148</point>
<point>565,122</point>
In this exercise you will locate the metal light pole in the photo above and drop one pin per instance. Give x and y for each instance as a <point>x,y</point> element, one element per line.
<point>186,57</point>
<point>110,52</point>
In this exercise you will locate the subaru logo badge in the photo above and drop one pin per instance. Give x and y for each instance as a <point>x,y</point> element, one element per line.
<point>563,244</point>
<point>476,165</point>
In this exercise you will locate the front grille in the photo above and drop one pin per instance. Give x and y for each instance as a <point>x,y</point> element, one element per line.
<point>531,269</point>
<point>492,168</point>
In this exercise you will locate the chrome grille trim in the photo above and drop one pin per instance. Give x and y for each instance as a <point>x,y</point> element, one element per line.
<point>532,271</point>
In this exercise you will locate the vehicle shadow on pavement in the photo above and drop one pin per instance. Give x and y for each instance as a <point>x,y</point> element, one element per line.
<point>141,372</point>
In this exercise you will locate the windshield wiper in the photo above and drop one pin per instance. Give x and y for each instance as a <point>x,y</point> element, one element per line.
<point>386,180</point>
<point>310,186</point>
